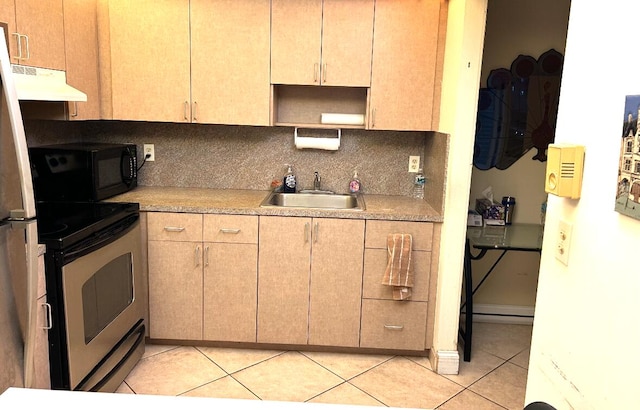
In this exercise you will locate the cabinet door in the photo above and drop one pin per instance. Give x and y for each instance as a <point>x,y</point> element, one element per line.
<point>8,17</point>
<point>347,35</point>
<point>175,290</point>
<point>42,21</point>
<point>336,282</point>
<point>296,31</point>
<point>283,279</point>
<point>230,292</point>
<point>81,51</point>
<point>404,64</point>
<point>150,63</point>
<point>230,58</point>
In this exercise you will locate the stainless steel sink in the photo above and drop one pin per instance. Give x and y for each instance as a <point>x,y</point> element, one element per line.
<point>314,200</point>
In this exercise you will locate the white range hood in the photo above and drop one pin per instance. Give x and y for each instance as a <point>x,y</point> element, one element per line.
<point>41,84</point>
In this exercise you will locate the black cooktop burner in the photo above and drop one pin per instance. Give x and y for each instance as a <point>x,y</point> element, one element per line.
<point>62,224</point>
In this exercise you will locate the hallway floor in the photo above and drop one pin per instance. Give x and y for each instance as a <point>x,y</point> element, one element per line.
<point>494,379</point>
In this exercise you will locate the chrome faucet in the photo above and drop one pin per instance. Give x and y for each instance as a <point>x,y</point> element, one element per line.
<point>316,181</point>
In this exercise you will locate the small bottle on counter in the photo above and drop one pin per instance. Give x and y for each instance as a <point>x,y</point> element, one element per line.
<point>418,185</point>
<point>509,204</point>
<point>354,184</point>
<point>289,181</point>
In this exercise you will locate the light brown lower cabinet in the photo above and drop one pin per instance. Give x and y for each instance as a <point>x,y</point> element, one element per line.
<point>390,324</point>
<point>286,280</point>
<point>175,290</point>
<point>230,288</point>
<point>202,277</point>
<point>310,280</point>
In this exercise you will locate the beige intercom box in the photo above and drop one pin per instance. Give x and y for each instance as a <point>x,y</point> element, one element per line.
<point>564,170</point>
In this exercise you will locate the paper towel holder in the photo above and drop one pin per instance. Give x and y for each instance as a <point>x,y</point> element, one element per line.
<point>323,143</point>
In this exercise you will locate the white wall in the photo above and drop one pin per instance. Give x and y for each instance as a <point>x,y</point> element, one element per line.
<point>515,27</point>
<point>463,58</point>
<point>586,331</point>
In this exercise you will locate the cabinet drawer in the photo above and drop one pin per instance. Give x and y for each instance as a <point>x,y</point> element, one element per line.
<point>230,228</point>
<point>169,226</point>
<point>377,232</point>
<point>390,324</point>
<point>375,263</point>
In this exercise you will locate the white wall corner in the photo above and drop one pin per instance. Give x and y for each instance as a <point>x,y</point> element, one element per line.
<point>445,361</point>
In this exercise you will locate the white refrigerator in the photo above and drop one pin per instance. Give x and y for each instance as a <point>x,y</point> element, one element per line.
<point>18,240</point>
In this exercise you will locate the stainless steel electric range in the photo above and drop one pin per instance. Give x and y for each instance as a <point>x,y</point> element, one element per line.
<point>94,282</point>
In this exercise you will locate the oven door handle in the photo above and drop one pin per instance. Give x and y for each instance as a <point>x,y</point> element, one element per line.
<point>114,233</point>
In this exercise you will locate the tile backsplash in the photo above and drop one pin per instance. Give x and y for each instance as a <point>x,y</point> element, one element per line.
<point>244,157</point>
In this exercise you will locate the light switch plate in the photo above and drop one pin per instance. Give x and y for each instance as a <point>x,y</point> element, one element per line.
<point>414,163</point>
<point>564,242</point>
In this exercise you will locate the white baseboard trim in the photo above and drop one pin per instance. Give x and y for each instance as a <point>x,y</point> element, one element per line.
<point>510,314</point>
<point>446,361</point>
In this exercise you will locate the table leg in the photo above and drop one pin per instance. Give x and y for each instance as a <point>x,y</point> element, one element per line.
<point>468,291</point>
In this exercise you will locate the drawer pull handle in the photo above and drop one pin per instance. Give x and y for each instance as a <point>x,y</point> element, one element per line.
<point>394,327</point>
<point>198,257</point>
<point>174,228</point>
<point>229,230</point>
<point>206,256</point>
<point>49,317</point>
<point>316,229</point>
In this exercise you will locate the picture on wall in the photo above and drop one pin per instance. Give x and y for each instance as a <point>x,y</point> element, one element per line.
<point>628,193</point>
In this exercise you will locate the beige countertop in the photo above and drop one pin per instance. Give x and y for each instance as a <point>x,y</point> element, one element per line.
<point>247,202</point>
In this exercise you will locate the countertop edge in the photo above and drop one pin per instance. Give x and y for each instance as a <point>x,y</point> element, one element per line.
<point>247,202</point>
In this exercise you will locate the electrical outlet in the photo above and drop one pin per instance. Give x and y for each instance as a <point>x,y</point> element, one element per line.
<point>564,242</point>
<point>150,151</point>
<point>414,163</point>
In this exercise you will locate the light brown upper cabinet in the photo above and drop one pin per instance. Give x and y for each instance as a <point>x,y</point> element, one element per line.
<point>189,61</point>
<point>405,63</point>
<point>81,51</point>
<point>36,32</point>
<point>146,73</point>
<point>321,42</point>
<point>230,61</point>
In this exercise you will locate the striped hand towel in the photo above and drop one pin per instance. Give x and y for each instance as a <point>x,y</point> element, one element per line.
<point>399,271</point>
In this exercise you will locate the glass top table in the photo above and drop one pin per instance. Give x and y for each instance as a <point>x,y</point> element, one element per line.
<point>522,237</point>
<point>515,237</point>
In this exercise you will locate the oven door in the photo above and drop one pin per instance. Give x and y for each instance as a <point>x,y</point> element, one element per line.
<point>104,310</point>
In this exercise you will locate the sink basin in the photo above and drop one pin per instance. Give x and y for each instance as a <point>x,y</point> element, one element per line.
<point>315,200</point>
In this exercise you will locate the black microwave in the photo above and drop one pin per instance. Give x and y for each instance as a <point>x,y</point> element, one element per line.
<point>83,171</point>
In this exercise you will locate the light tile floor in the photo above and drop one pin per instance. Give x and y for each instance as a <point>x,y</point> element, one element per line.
<point>494,379</point>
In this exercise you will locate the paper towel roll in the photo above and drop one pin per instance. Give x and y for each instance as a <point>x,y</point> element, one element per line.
<point>329,144</point>
<point>342,119</point>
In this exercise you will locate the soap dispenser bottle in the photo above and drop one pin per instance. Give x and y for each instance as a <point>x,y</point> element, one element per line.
<point>354,184</point>
<point>289,185</point>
